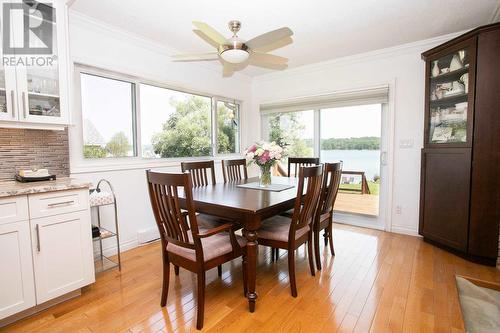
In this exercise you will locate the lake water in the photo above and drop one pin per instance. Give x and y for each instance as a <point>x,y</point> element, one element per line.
<point>355,160</point>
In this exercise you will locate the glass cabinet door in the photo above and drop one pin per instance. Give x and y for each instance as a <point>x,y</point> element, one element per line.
<point>449,95</point>
<point>38,84</point>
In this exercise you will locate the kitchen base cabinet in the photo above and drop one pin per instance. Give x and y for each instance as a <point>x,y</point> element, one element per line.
<point>61,254</point>
<point>17,290</point>
<point>46,252</point>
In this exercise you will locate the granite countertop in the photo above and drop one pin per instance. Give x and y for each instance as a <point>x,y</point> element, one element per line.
<point>12,188</point>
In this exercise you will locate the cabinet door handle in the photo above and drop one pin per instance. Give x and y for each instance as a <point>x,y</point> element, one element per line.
<point>37,228</point>
<point>13,103</point>
<point>57,204</point>
<point>24,105</point>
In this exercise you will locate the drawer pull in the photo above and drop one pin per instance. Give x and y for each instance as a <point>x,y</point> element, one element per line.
<point>37,228</point>
<point>57,204</point>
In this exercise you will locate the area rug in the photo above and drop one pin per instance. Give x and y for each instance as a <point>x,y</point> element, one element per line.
<point>480,307</point>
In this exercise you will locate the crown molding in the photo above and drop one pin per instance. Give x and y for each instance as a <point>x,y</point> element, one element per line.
<point>392,51</point>
<point>89,23</point>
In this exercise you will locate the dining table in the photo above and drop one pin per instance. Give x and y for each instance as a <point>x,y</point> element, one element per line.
<point>248,207</point>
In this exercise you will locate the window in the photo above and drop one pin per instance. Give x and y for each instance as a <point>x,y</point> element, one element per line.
<point>228,120</point>
<point>159,123</point>
<point>108,117</point>
<point>295,130</point>
<point>174,124</point>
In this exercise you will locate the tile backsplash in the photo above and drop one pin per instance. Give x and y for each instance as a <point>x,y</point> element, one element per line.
<point>26,149</point>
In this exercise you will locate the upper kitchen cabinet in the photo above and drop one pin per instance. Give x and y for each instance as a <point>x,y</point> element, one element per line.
<point>34,72</point>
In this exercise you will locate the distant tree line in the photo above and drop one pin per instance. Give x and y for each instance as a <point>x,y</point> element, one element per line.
<point>362,143</point>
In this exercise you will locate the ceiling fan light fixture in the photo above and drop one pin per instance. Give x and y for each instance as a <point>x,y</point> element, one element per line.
<point>235,56</point>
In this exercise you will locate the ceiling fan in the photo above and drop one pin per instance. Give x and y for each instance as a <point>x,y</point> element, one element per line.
<point>235,53</point>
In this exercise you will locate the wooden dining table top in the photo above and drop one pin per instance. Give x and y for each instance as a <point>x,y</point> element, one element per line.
<point>245,200</point>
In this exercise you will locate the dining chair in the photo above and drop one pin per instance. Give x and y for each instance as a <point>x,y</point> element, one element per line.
<point>281,232</point>
<point>324,214</point>
<point>297,162</point>
<point>234,170</point>
<point>203,174</point>
<point>187,245</point>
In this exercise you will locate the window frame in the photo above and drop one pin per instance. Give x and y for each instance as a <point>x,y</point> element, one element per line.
<point>113,163</point>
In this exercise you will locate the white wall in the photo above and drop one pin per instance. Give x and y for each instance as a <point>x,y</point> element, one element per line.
<point>402,68</point>
<point>93,43</point>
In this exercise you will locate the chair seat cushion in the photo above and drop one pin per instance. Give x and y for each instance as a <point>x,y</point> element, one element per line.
<point>213,246</point>
<point>277,228</point>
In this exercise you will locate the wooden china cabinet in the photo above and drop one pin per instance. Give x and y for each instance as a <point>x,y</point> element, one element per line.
<point>460,187</point>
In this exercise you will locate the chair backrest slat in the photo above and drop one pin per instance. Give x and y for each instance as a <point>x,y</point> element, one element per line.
<point>164,196</point>
<point>298,162</point>
<point>232,170</point>
<point>199,174</point>
<point>331,182</point>
<point>306,203</point>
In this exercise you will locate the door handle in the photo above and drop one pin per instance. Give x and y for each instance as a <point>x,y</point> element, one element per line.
<point>383,158</point>
<point>24,105</point>
<point>13,103</point>
<point>37,229</point>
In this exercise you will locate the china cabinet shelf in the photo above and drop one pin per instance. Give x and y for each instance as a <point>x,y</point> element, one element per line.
<point>450,76</point>
<point>449,100</point>
<point>31,93</point>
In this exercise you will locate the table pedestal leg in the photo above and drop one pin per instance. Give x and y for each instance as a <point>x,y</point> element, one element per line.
<point>251,236</point>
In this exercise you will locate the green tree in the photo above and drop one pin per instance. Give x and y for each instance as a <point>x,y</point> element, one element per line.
<point>227,126</point>
<point>289,136</point>
<point>94,151</point>
<point>118,145</point>
<point>187,130</point>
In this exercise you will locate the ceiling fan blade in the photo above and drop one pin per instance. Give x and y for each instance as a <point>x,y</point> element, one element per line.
<point>210,32</point>
<point>259,63</point>
<point>273,46</point>
<point>269,38</point>
<point>268,58</point>
<point>196,57</point>
<point>207,39</point>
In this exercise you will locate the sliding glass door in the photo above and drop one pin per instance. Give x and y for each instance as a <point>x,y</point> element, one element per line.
<point>353,135</point>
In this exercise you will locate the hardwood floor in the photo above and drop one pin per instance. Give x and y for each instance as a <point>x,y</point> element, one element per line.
<point>377,282</point>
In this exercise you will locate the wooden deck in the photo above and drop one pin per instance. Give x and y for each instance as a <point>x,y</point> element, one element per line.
<point>366,204</point>
<point>377,282</point>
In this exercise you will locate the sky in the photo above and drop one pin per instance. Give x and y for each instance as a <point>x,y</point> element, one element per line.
<point>344,122</point>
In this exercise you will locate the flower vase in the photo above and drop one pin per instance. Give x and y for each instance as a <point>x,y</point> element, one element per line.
<point>265,176</point>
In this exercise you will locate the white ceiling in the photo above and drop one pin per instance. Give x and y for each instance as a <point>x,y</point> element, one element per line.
<point>323,29</point>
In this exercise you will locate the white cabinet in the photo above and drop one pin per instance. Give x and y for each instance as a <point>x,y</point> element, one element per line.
<point>34,87</point>
<point>17,290</point>
<point>62,254</point>
<point>45,248</point>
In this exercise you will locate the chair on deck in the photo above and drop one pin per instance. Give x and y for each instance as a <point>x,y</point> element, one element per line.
<point>282,232</point>
<point>187,245</point>
<point>234,170</point>
<point>324,214</point>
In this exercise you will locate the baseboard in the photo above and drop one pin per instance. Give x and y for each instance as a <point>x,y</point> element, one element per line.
<point>124,246</point>
<point>405,230</point>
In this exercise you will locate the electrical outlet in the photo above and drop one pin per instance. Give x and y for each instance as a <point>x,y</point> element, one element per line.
<point>398,209</point>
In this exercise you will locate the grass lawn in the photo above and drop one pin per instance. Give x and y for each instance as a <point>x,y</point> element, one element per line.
<point>374,187</point>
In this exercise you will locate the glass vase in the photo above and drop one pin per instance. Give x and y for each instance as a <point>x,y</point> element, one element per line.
<point>265,176</point>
